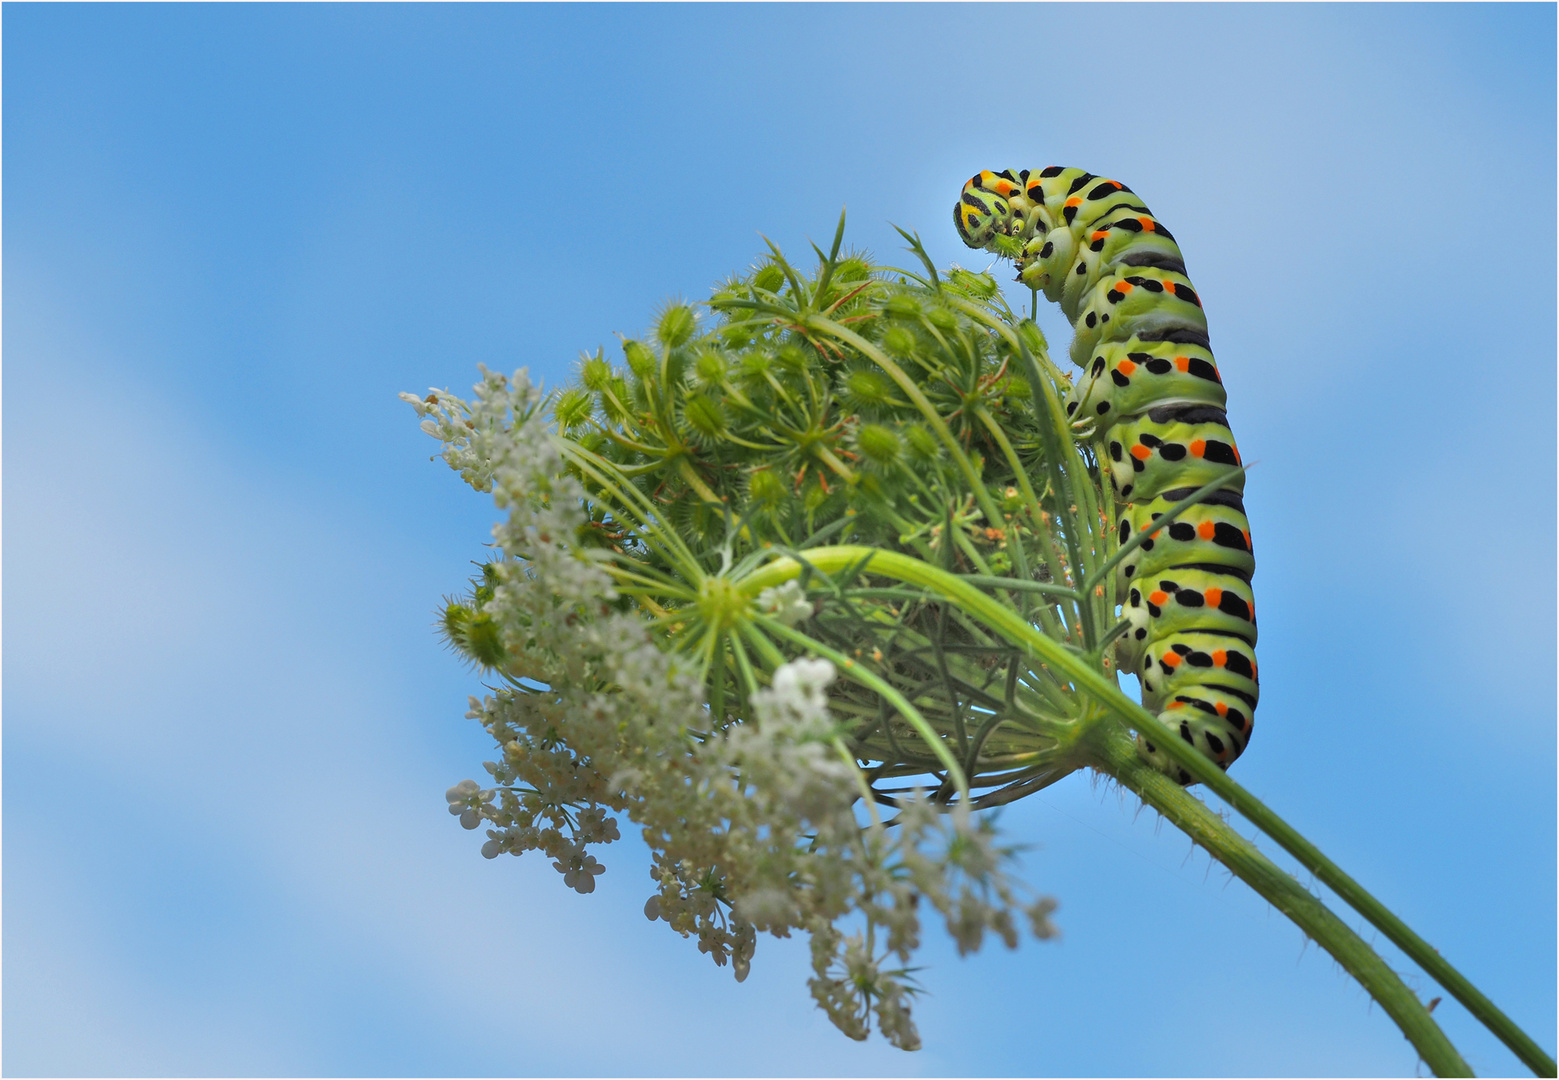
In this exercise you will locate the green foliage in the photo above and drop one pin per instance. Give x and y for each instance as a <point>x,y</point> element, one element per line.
<point>853,405</point>
<point>693,416</point>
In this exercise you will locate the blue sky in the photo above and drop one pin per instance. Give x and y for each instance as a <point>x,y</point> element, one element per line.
<point>233,233</point>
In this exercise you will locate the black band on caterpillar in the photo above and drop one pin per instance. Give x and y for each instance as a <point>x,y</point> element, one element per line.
<point>1153,402</point>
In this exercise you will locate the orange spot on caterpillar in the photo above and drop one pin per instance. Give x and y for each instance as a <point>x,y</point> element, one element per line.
<point>1098,234</point>
<point>1169,660</point>
<point>1155,534</point>
<point>1141,453</point>
<point>1126,367</point>
<point>1073,201</point>
<point>1147,223</point>
<point>1223,710</point>
<point>1158,598</point>
<point>1213,596</point>
<point>1206,530</point>
<point>1177,704</point>
<point>1198,447</point>
<point>1183,363</point>
<point>1123,286</point>
<point>1247,539</point>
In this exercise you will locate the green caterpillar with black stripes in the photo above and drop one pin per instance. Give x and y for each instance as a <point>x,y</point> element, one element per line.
<point>1151,401</point>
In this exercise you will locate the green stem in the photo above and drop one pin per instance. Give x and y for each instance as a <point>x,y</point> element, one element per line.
<point>1019,585</point>
<point>1071,497</point>
<point>1103,689</point>
<point>1379,916</point>
<point>1118,756</point>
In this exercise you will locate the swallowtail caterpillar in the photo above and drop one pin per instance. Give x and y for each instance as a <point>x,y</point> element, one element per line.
<point>1151,400</point>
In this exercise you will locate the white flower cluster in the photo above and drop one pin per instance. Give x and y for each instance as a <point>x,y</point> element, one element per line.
<point>753,830</point>
<point>787,603</point>
<point>466,800</point>
<point>476,435</point>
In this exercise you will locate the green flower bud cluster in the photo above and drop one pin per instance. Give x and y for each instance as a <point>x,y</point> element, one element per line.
<point>747,423</point>
<point>860,406</point>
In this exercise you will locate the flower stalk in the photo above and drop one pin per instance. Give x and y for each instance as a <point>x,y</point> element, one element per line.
<point>1117,757</point>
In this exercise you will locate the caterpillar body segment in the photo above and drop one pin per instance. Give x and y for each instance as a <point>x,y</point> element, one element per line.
<point>1211,532</point>
<point>1181,663</point>
<point>1128,377</point>
<point>1147,303</point>
<point>1150,398</point>
<point>1186,598</point>
<point>1170,446</point>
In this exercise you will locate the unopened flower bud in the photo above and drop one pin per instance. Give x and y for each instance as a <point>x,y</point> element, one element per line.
<point>641,361</point>
<point>676,325</point>
<point>879,443</point>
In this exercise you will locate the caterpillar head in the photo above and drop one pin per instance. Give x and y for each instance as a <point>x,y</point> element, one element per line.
<point>986,209</point>
<point>980,215</point>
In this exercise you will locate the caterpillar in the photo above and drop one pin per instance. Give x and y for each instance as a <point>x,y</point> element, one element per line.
<point>1151,400</point>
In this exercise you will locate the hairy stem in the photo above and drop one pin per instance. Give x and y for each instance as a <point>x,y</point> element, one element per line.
<point>1117,756</point>
<point>1102,688</point>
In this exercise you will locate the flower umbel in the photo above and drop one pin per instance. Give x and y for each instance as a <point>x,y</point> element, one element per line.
<point>751,813</point>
